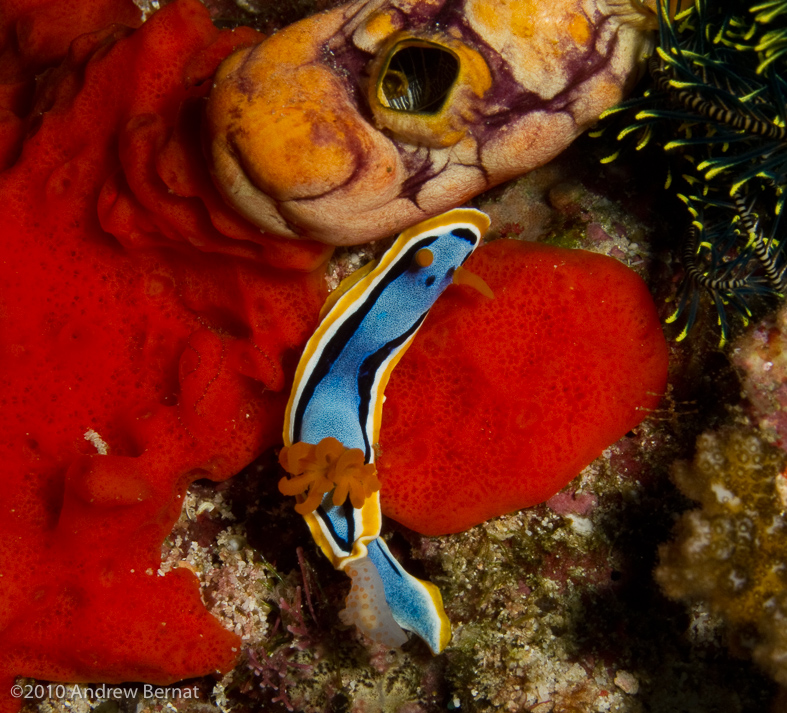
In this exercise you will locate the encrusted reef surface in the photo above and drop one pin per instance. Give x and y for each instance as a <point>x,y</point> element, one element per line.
<point>730,552</point>
<point>555,609</point>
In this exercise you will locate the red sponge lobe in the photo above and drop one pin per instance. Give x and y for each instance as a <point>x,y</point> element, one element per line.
<point>499,403</point>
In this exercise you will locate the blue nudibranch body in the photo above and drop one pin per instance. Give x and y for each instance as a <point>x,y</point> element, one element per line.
<point>338,394</point>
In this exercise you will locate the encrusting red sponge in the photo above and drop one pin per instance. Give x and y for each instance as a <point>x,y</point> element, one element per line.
<point>148,337</point>
<point>499,403</point>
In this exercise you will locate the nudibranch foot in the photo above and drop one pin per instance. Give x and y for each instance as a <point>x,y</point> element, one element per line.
<point>367,608</point>
<point>336,403</point>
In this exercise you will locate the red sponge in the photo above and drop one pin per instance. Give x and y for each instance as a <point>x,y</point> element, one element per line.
<point>499,403</point>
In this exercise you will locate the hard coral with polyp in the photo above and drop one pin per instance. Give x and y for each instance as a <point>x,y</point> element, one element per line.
<point>147,338</point>
<point>500,402</point>
<point>731,552</point>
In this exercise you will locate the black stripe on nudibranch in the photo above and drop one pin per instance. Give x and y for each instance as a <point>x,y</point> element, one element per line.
<point>346,544</point>
<point>466,234</point>
<point>391,564</point>
<point>367,374</point>
<point>347,330</point>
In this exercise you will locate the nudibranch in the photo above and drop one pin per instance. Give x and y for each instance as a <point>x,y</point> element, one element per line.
<point>355,123</point>
<point>332,421</point>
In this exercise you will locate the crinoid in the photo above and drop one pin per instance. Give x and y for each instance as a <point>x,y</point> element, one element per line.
<point>717,106</point>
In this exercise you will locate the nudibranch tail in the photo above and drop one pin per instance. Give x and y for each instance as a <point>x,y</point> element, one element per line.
<point>384,599</point>
<point>333,417</point>
<point>415,605</point>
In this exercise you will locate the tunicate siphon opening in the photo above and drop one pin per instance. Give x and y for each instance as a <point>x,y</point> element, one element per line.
<point>418,78</point>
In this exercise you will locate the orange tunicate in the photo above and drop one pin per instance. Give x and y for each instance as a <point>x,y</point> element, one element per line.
<point>499,403</point>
